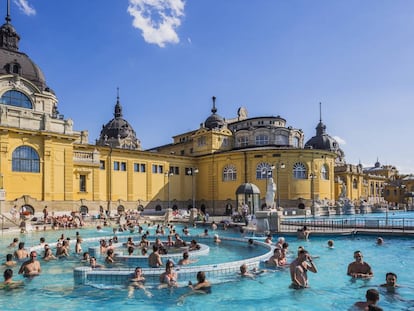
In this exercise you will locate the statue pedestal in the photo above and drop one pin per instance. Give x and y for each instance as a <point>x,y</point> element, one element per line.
<point>268,220</point>
<point>193,215</point>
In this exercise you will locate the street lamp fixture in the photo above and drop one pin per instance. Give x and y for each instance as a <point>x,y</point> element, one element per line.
<point>193,171</point>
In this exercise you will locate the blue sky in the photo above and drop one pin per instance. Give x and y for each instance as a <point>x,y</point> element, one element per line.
<point>274,57</point>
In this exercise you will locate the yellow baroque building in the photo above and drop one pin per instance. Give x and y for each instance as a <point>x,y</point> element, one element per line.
<point>45,162</point>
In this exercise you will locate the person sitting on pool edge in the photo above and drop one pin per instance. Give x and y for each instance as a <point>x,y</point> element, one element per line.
<point>359,268</point>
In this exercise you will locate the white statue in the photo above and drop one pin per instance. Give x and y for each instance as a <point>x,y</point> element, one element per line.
<point>270,193</point>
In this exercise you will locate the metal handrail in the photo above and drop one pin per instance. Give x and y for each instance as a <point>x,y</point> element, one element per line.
<point>392,225</point>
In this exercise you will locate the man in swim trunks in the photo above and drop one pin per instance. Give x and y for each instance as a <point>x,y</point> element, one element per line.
<point>359,268</point>
<point>299,268</point>
<point>30,267</point>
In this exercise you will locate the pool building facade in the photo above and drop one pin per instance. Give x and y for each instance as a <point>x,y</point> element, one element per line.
<point>45,161</point>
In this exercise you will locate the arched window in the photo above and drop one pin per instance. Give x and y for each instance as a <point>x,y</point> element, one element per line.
<point>296,142</point>
<point>264,171</point>
<point>243,141</point>
<point>299,171</point>
<point>355,184</point>
<point>262,139</point>
<point>324,172</point>
<point>229,173</point>
<point>17,99</point>
<point>25,159</point>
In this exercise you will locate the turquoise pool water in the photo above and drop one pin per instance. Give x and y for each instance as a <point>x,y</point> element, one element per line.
<point>331,288</point>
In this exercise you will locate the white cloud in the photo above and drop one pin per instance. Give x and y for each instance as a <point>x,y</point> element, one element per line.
<point>340,140</point>
<point>157,19</point>
<point>25,7</point>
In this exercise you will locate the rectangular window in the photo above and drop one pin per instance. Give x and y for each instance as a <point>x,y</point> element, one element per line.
<point>201,141</point>
<point>136,167</point>
<point>116,166</point>
<point>160,169</point>
<point>154,169</point>
<point>175,170</point>
<point>123,166</point>
<point>102,165</point>
<point>82,183</point>
<point>143,169</point>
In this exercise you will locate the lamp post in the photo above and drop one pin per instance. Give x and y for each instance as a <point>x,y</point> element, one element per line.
<point>168,175</point>
<point>278,166</point>
<point>312,177</point>
<point>108,208</point>
<point>193,171</point>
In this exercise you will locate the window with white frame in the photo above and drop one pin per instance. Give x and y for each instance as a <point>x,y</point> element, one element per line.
<point>299,171</point>
<point>324,172</point>
<point>229,173</point>
<point>243,141</point>
<point>264,171</point>
<point>262,139</point>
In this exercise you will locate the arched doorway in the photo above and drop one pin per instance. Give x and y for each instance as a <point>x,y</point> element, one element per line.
<point>229,209</point>
<point>158,208</point>
<point>301,206</point>
<point>27,210</point>
<point>203,209</point>
<point>248,197</point>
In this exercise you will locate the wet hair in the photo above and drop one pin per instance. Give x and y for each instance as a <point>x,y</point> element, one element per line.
<point>8,274</point>
<point>391,274</point>
<point>10,257</point>
<point>372,294</point>
<point>374,308</point>
<point>185,255</point>
<point>201,276</point>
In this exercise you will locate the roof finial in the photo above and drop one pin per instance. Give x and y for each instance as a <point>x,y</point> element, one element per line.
<point>214,110</point>
<point>8,19</point>
<point>118,108</point>
<point>320,112</point>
